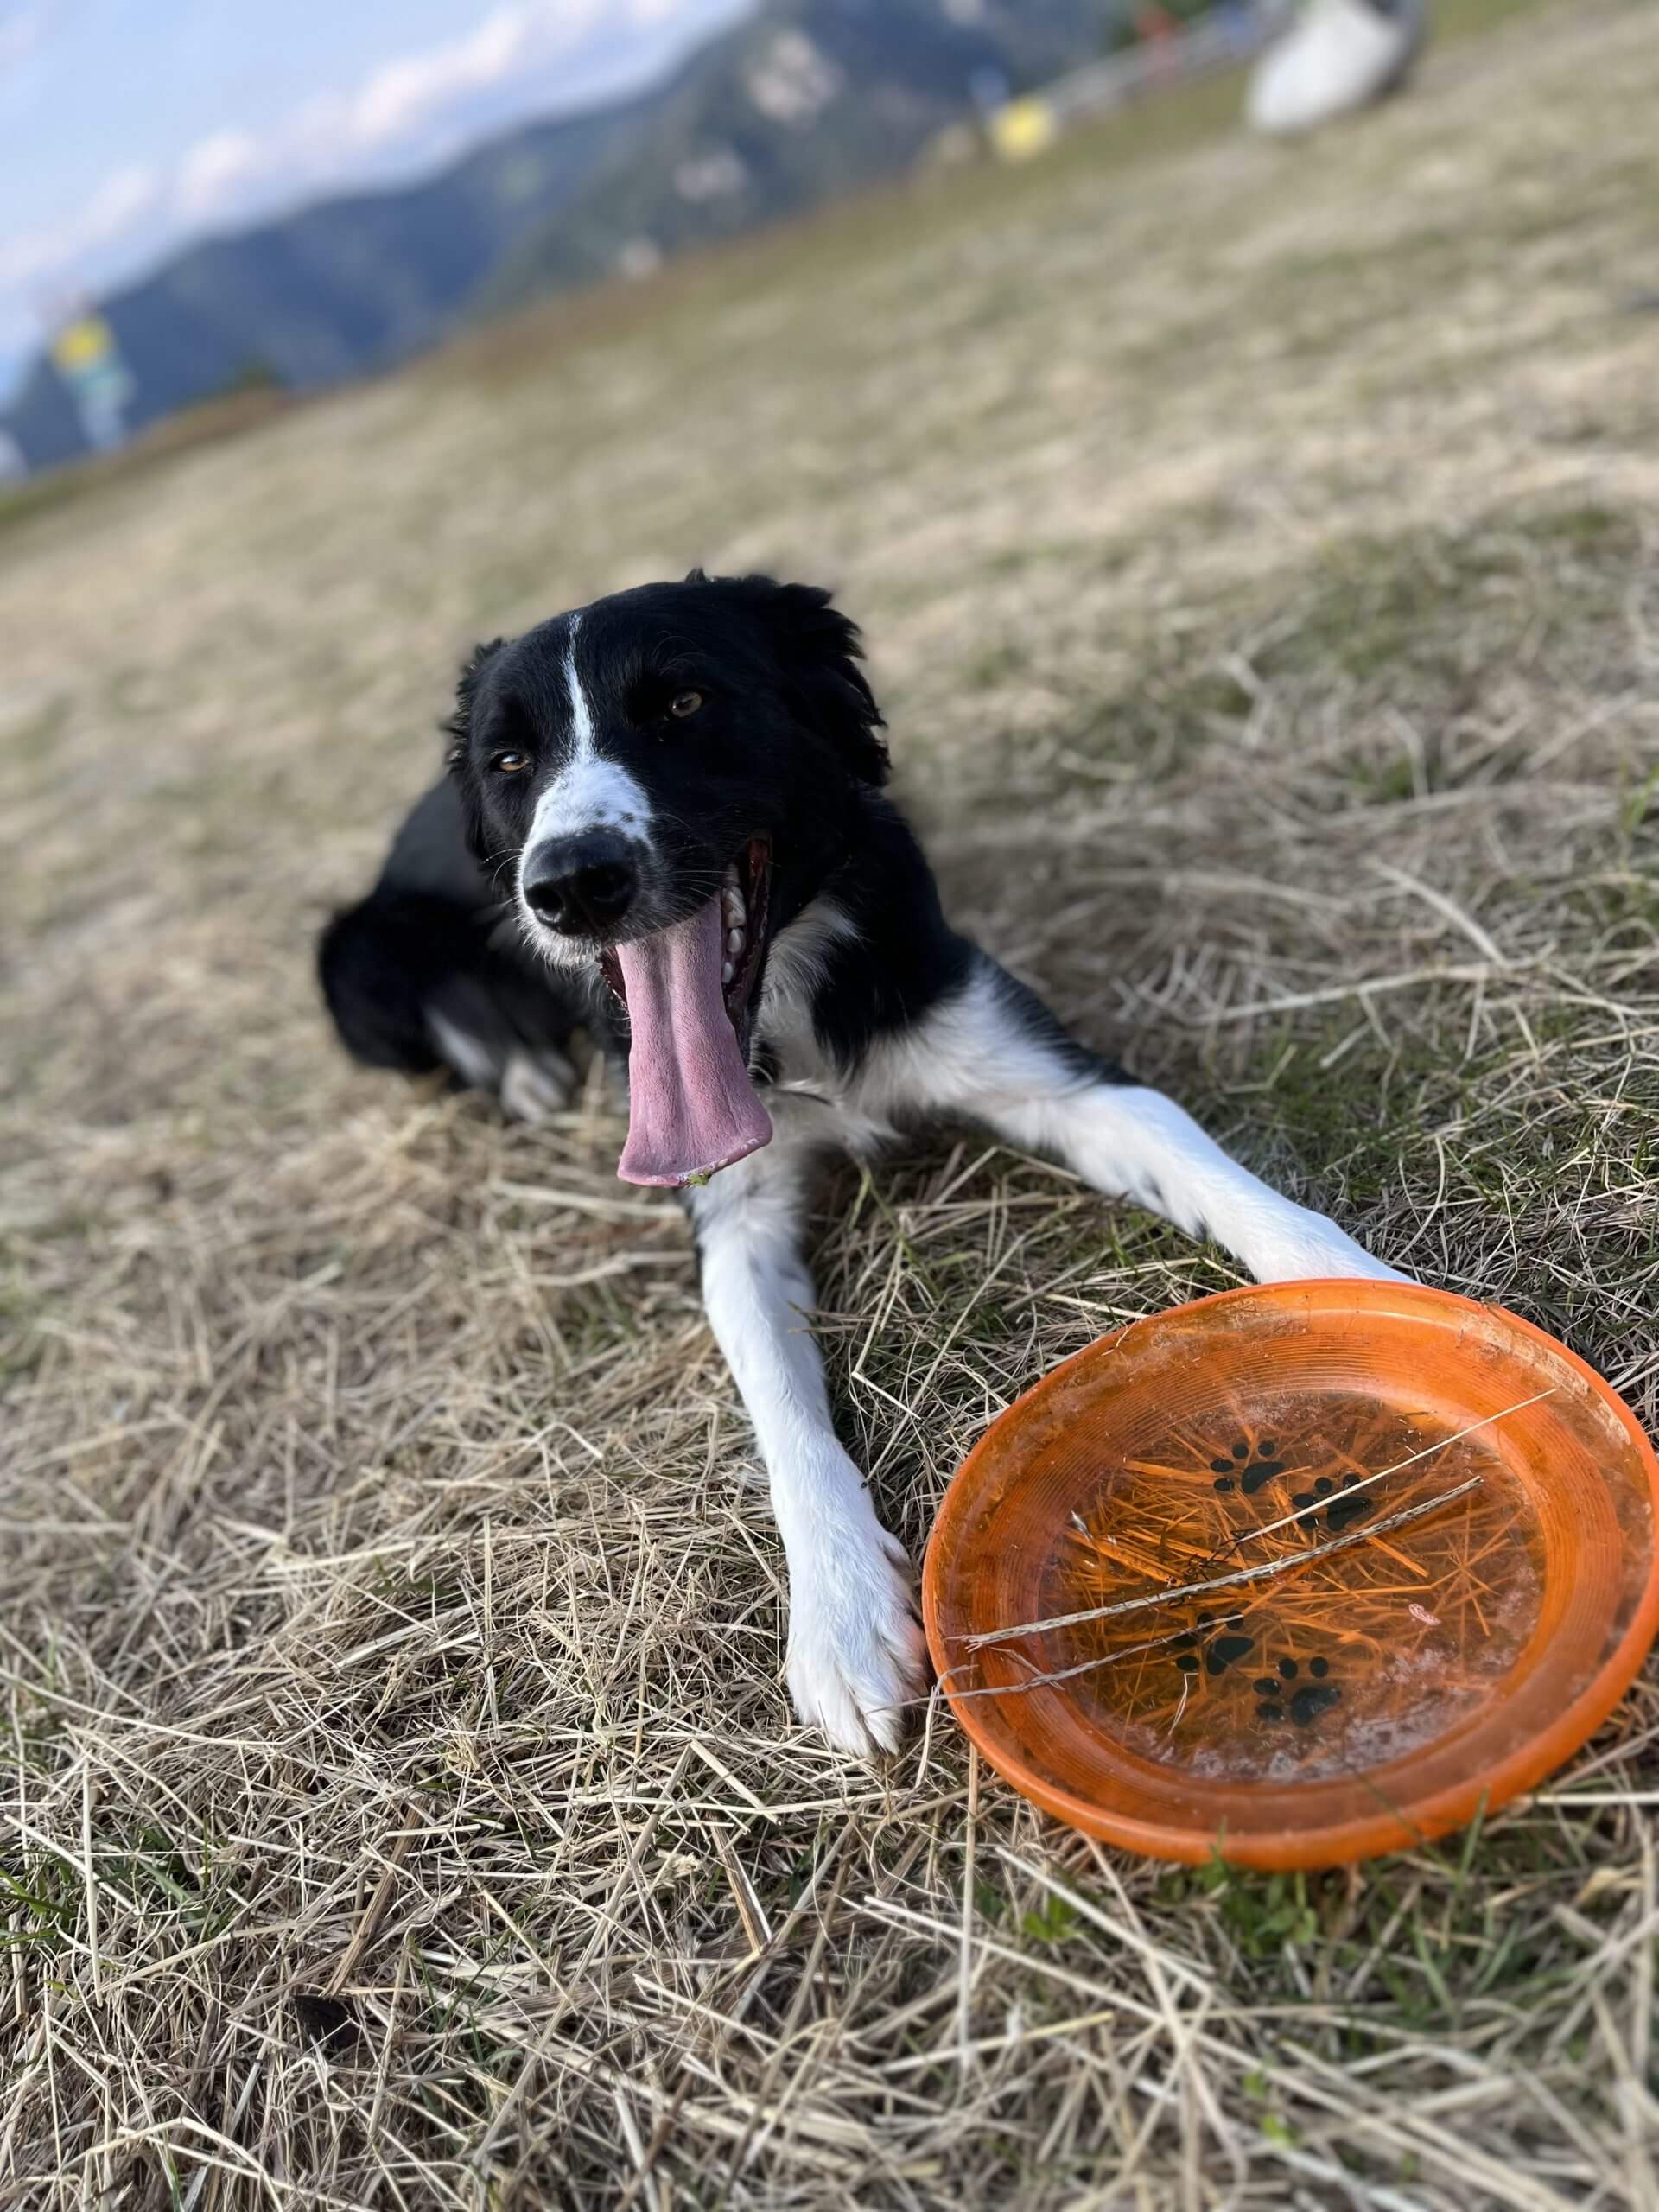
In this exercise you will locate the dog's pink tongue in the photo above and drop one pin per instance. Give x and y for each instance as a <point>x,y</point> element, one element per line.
<point>691,1107</point>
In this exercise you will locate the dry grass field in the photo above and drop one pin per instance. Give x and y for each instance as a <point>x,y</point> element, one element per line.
<point>399,1804</point>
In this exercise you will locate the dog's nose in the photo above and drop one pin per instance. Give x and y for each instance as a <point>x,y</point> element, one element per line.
<point>581,886</point>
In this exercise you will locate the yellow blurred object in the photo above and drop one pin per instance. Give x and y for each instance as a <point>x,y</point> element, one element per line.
<point>1024,128</point>
<point>81,344</point>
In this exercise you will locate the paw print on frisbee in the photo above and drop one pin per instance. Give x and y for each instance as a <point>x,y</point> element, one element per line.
<point>1301,1574</point>
<point>1345,1502</point>
<point>1282,1696</point>
<point>1246,1468</point>
<point>1212,1648</point>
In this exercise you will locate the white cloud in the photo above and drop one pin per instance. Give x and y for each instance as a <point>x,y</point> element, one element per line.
<point>400,100</point>
<point>214,170</point>
<point>21,31</point>
<point>119,203</point>
<point>403,94</point>
<point>27,256</point>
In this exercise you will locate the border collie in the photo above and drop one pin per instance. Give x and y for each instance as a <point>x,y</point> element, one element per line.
<point>663,822</point>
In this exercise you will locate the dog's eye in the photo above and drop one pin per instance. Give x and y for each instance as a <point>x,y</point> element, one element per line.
<point>509,763</point>
<point>683,703</point>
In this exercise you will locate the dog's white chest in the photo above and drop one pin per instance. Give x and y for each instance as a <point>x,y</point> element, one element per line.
<point>810,1099</point>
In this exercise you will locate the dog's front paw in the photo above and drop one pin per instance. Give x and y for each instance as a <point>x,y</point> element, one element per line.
<point>1306,1248</point>
<point>856,1654</point>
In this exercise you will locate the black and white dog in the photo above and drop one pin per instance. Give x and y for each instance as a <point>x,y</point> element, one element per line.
<point>663,823</point>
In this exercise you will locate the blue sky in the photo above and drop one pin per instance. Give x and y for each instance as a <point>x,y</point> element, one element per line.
<point>128,126</point>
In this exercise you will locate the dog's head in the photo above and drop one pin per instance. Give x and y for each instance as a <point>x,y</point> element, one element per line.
<point>666,777</point>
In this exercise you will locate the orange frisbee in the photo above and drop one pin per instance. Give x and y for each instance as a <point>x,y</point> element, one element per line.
<point>1355,1560</point>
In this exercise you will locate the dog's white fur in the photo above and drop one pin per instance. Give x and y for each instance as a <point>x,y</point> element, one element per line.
<point>856,1657</point>
<point>591,791</point>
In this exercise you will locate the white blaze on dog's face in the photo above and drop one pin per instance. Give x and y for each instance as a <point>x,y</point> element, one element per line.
<point>589,794</point>
<point>666,777</point>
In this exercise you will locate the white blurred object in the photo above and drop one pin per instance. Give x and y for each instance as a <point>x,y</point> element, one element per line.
<point>1338,55</point>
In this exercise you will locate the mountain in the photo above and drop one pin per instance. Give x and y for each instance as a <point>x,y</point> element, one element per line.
<point>807,100</point>
<point>800,100</point>
<point>342,288</point>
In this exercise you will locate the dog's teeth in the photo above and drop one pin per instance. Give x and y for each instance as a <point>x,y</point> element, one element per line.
<point>727,971</point>
<point>735,942</point>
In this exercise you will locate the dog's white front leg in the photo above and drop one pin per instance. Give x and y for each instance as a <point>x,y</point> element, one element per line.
<point>998,1054</point>
<point>1136,1143</point>
<point>855,1651</point>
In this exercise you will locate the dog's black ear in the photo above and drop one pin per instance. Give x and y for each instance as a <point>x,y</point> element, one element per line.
<point>458,759</point>
<point>820,651</point>
<point>458,727</point>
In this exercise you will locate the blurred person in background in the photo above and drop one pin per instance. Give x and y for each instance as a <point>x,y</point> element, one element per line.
<point>1338,55</point>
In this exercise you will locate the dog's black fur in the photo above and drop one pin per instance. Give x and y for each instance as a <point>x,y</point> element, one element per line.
<point>431,941</point>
